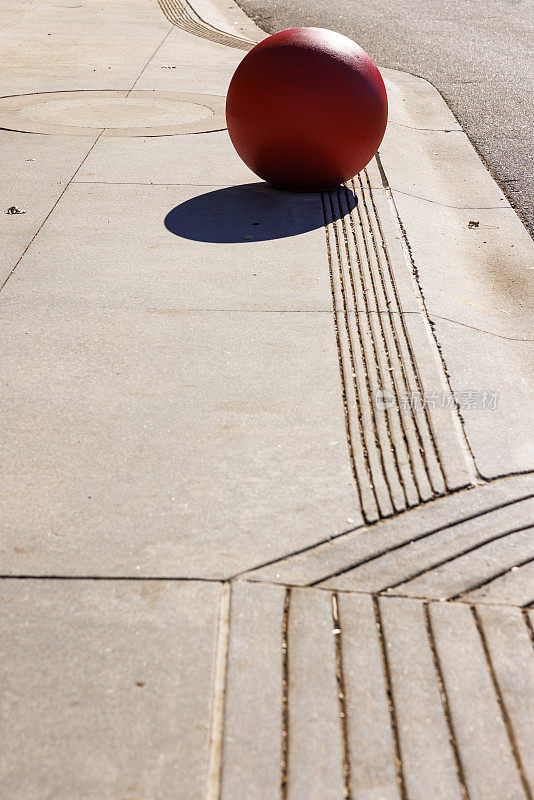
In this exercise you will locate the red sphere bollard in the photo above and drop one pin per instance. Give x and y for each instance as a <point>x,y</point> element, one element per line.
<point>306,109</point>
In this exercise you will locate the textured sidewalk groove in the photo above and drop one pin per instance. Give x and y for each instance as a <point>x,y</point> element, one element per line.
<point>365,341</point>
<point>334,695</point>
<point>445,703</point>
<point>395,450</point>
<point>370,738</point>
<point>512,585</point>
<point>366,452</point>
<point>184,16</point>
<point>450,576</point>
<point>337,633</point>
<point>192,383</point>
<point>419,451</point>
<point>490,765</point>
<point>340,560</point>
<point>501,632</point>
<point>415,480</point>
<point>393,716</point>
<point>428,761</point>
<point>413,579</point>
<point>404,726</point>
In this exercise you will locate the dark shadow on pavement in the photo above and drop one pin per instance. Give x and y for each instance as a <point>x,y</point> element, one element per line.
<point>251,212</point>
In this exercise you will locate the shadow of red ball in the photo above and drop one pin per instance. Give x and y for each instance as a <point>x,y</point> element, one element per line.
<point>306,109</point>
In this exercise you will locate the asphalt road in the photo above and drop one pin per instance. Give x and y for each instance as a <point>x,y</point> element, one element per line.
<point>478,53</point>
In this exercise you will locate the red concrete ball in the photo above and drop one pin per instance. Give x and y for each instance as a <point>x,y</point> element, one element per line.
<point>306,109</point>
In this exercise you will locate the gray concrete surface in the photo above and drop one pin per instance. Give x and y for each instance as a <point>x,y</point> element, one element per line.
<point>313,712</point>
<point>252,743</point>
<point>106,688</point>
<point>492,764</point>
<point>209,523</point>
<point>477,54</point>
<point>373,767</point>
<point>428,762</point>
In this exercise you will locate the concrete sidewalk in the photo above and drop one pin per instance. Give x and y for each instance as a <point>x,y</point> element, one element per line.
<point>267,459</point>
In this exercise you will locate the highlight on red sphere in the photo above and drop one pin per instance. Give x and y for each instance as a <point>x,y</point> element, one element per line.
<point>306,109</point>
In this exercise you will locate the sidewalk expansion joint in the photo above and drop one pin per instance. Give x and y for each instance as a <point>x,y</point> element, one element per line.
<point>225,583</point>
<point>43,223</point>
<point>215,757</point>
<point>337,633</point>
<point>134,578</point>
<point>284,745</point>
<point>149,60</point>
<point>399,771</point>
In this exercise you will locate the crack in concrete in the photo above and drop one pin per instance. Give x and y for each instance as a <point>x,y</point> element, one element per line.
<point>481,330</point>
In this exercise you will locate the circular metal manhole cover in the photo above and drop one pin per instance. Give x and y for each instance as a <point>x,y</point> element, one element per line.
<point>139,113</point>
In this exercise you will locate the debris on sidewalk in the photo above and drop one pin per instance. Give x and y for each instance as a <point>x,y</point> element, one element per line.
<point>14,210</point>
